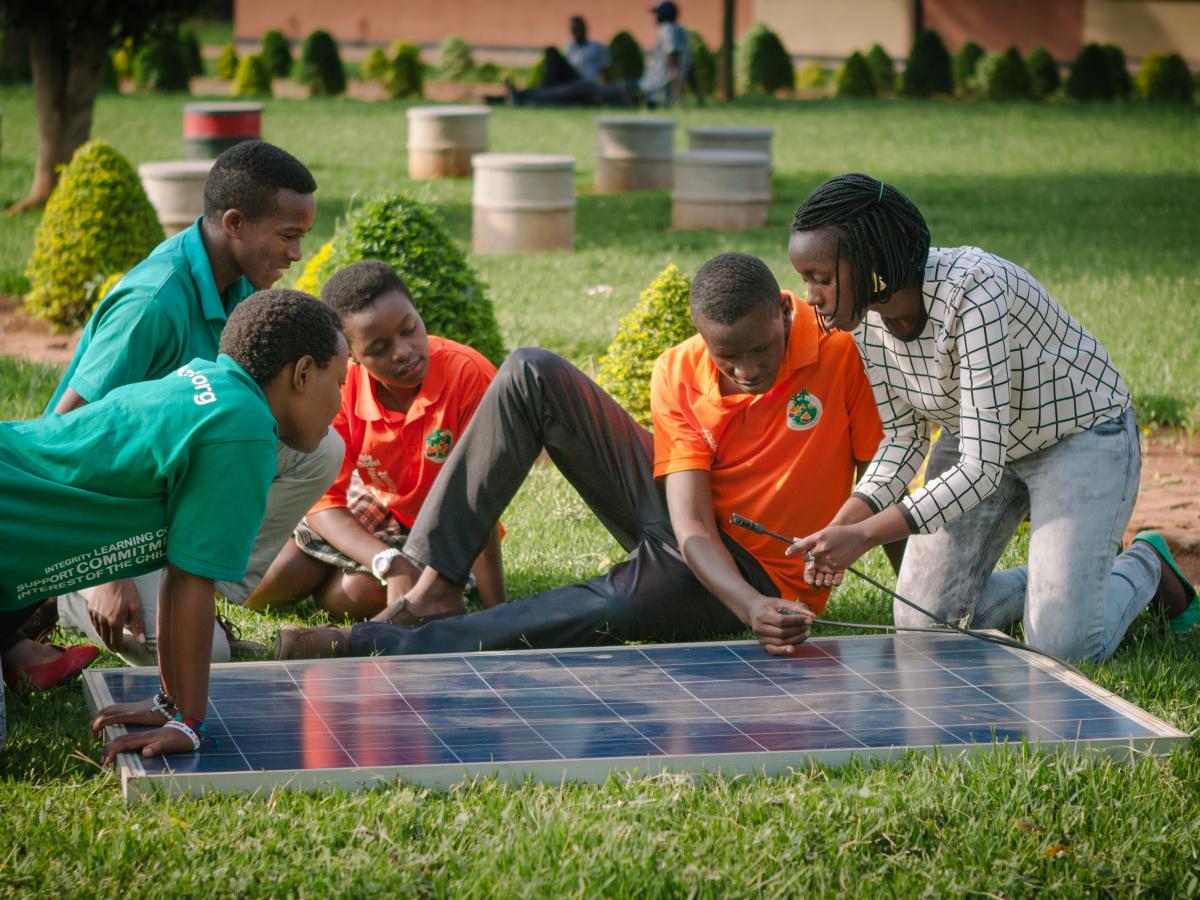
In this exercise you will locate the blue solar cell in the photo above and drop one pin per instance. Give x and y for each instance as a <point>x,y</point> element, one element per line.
<point>857,694</point>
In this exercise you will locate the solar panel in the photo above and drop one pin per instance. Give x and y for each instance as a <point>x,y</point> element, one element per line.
<point>579,714</point>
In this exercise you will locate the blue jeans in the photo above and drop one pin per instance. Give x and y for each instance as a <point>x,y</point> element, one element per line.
<point>1079,593</point>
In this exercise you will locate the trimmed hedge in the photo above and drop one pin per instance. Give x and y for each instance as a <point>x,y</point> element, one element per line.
<point>812,76</point>
<point>883,69</point>
<point>277,53</point>
<point>190,43</point>
<point>1090,77</point>
<point>455,62</point>
<point>966,66</point>
<point>97,222</point>
<point>405,76</point>
<point>253,78</point>
<point>628,62</point>
<point>660,320</point>
<point>1118,72</point>
<point>1004,76</point>
<point>928,70</point>
<point>409,237</point>
<point>855,78</point>
<point>321,69</point>
<point>764,64</point>
<point>227,63</point>
<point>376,66</point>
<point>1166,78</point>
<point>1043,73</point>
<point>161,64</point>
<point>704,64</point>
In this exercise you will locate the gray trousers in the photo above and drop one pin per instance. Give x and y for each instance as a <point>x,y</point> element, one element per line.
<point>1079,593</point>
<point>540,401</point>
<point>300,480</point>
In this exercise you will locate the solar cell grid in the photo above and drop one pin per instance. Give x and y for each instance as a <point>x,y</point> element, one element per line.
<point>709,705</point>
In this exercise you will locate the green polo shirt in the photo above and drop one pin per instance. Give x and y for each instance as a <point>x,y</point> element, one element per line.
<point>173,470</point>
<point>164,312</point>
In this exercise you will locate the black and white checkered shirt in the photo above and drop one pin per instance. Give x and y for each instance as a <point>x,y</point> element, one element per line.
<point>999,363</point>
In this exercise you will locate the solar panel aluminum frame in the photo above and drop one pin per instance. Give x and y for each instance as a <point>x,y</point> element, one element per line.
<point>137,784</point>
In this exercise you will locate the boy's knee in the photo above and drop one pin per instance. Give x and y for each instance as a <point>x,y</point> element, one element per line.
<point>529,363</point>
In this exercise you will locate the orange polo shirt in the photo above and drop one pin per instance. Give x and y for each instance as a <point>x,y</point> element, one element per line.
<point>785,458</point>
<point>398,454</point>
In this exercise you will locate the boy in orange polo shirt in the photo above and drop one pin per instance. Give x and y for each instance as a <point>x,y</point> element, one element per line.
<point>407,399</point>
<point>760,413</point>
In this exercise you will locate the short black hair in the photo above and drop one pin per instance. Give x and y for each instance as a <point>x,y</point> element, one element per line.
<point>354,288</point>
<point>247,177</point>
<point>731,286</point>
<point>879,230</point>
<point>272,329</point>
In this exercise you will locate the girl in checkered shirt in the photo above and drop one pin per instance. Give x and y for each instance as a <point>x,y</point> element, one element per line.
<point>1036,422</point>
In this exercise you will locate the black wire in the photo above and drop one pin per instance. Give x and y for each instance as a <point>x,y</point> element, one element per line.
<point>999,639</point>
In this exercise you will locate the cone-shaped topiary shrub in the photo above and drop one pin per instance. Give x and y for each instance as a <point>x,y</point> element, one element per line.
<point>1118,72</point>
<point>928,70</point>
<point>1043,73</point>
<point>321,69</point>
<point>277,52</point>
<point>965,66</point>
<point>190,42</point>
<point>455,62</point>
<point>704,63</point>
<point>1004,76</point>
<point>253,78</point>
<point>227,63</point>
<point>97,222</point>
<point>376,66</point>
<point>1090,77</point>
<point>628,63</point>
<point>883,69</point>
<point>763,63</point>
<point>660,320</point>
<point>812,76</point>
<point>1165,77</point>
<point>161,63</point>
<point>855,78</point>
<point>405,76</point>
<point>409,237</point>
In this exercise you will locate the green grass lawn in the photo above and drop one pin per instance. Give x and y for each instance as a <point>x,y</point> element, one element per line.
<point>1099,203</point>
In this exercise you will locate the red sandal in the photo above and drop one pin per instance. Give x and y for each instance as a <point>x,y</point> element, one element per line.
<point>70,662</point>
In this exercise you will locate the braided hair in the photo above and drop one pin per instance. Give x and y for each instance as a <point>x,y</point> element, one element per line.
<point>880,231</point>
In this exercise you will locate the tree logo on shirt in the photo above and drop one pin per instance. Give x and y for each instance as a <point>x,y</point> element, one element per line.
<point>803,410</point>
<point>437,445</point>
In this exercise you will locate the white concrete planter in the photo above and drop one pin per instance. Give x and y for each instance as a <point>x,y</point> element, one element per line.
<point>523,203</point>
<point>720,189</point>
<point>442,139</point>
<point>634,153</point>
<point>176,190</point>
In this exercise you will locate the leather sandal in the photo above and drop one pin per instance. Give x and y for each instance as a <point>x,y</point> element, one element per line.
<point>398,613</point>
<point>67,665</point>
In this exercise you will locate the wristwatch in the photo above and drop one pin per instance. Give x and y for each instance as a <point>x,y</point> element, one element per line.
<point>381,562</point>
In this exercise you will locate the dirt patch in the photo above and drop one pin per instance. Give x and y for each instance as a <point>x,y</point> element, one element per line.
<point>1168,501</point>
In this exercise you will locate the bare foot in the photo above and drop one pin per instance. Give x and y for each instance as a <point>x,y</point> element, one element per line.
<point>1172,595</point>
<point>433,597</point>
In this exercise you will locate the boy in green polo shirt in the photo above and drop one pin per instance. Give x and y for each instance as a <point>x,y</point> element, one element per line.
<point>168,310</point>
<point>172,471</point>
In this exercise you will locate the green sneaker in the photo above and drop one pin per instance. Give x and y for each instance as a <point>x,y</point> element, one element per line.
<point>1186,620</point>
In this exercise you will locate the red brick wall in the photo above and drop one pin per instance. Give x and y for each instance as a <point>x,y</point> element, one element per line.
<point>995,25</point>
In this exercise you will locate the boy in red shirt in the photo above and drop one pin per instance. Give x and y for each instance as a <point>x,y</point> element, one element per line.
<point>760,413</point>
<point>406,401</point>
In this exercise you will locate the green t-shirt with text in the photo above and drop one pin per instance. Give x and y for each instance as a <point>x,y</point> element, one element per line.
<point>173,470</point>
<point>163,313</point>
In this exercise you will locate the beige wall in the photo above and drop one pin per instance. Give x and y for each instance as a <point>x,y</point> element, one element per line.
<point>1143,27</point>
<point>825,28</point>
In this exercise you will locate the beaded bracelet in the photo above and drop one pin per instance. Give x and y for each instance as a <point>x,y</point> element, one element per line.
<point>165,705</point>
<point>178,725</point>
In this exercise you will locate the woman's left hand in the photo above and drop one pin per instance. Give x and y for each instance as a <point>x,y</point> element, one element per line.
<point>829,551</point>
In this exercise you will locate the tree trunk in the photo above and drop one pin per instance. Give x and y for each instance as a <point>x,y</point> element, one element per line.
<point>66,64</point>
<point>725,64</point>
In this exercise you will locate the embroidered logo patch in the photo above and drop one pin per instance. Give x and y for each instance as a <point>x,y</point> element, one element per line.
<point>803,411</point>
<point>437,445</point>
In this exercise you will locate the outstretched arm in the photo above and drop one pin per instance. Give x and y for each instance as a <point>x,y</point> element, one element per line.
<point>689,499</point>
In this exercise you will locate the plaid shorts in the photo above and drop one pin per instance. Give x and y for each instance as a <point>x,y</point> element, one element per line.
<point>373,515</point>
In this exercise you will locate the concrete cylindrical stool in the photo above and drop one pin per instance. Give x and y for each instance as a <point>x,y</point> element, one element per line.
<point>634,153</point>
<point>176,190</point>
<point>442,139</point>
<point>720,189</point>
<point>730,137</point>
<point>209,129</point>
<point>523,203</point>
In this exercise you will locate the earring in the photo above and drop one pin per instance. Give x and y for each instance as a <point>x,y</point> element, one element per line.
<point>878,285</point>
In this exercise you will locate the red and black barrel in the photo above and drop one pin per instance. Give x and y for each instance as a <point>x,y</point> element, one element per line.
<point>211,128</point>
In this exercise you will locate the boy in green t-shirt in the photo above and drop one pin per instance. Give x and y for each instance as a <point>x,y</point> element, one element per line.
<point>176,472</point>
